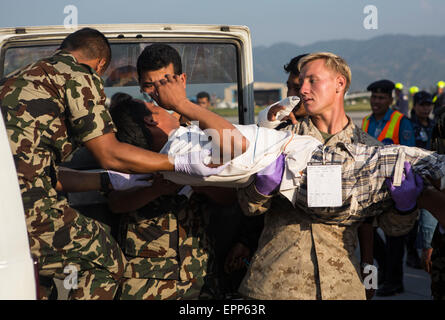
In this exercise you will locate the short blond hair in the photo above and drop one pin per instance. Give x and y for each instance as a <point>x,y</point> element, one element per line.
<point>333,62</point>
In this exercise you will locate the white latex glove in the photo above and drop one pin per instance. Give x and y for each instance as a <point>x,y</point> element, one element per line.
<point>124,181</point>
<point>287,103</point>
<point>193,163</point>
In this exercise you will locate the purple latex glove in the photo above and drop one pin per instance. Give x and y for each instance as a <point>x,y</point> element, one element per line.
<point>268,179</point>
<point>124,181</point>
<point>405,196</point>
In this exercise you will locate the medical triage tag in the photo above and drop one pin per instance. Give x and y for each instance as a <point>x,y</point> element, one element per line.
<point>324,185</point>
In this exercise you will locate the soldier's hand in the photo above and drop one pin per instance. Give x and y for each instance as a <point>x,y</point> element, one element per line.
<point>290,117</point>
<point>268,179</point>
<point>405,196</point>
<point>272,114</point>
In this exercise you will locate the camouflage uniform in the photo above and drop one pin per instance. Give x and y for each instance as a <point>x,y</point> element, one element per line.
<point>49,107</point>
<point>303,256</point>
<point>167,249</point>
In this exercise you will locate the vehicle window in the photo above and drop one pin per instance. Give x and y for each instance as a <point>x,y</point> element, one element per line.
<point>16,58</point>
<point>210,67</point>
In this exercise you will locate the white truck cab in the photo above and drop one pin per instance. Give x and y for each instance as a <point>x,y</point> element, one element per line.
<point>217,59</point>
<point>16,265</point>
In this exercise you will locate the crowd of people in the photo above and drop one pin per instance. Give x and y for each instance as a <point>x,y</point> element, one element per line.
<point>178,241</point>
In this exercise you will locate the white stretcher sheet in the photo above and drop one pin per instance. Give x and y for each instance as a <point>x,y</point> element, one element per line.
<point>265,145</point>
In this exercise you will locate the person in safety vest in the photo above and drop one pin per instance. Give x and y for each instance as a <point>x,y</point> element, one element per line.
<point>390,127</point>
<point>386,125</point>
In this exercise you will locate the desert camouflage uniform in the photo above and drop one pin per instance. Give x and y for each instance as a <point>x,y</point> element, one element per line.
<point>167,249</point>
<point>303,256</point>
<point>49,107</point>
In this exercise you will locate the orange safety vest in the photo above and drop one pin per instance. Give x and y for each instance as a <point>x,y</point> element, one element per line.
<point>391,129</point>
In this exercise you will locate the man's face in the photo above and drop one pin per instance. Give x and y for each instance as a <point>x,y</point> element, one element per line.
<point>293,85</point>
<point>204,102</point>
<point>160,123</point>
<point>293,89</point>
<point>148,78</point>
<point>423,109</point>
<point>380,102</point>
<point>318,87</point>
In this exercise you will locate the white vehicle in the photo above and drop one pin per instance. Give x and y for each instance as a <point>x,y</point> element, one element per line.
<point>214,59</point>
<point>16,265</point>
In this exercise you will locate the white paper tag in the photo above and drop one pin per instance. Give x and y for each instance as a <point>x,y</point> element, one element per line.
<point>324,186</point>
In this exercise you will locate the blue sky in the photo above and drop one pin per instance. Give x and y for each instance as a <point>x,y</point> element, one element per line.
<point>270,21</point>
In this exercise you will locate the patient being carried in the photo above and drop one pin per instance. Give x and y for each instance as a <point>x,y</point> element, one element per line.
<point>362,179</point>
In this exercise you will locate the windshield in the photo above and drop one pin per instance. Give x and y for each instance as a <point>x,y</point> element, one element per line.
<point>210,67</point>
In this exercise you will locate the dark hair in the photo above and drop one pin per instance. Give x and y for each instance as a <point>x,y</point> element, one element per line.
<point>157,56</point>
<point>91,42</point>
<point>128,116</point>
<point>122,76</point>
<point>203,94</point>
<point>292,66</point>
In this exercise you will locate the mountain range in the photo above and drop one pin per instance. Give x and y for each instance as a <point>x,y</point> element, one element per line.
<point>411,60</point>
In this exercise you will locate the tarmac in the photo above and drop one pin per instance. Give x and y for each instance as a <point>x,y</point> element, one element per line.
<point>417,285</point>
<point>417,282</point>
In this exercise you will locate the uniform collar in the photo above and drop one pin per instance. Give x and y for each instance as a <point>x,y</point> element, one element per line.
<point>344,135</point>
<point>71,58</point>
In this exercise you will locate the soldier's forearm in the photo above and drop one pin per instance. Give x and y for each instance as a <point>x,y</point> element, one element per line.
<point>127,201</point>
<point>69,180</point>
<point>123,157</point>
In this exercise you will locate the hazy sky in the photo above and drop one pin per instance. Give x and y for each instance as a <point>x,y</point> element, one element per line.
<point>270,21</point>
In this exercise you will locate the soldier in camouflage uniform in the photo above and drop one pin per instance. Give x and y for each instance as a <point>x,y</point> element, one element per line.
<point>164,234</point>
<point>168,250</point>
<point>39,104</point>
<point>49,107</point>
<point>302,256</point>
